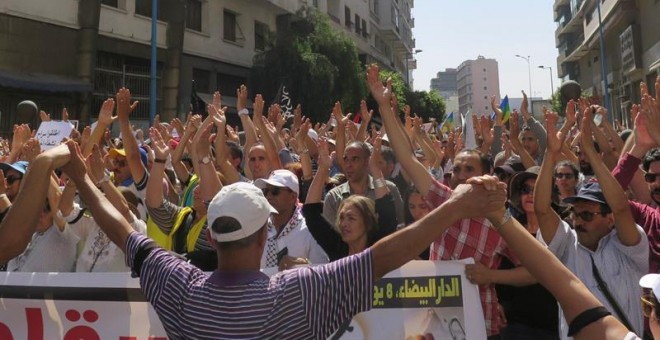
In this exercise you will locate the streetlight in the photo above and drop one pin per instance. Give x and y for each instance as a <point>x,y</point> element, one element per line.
<point>408,56</point>
<point>529,73</point>
<point>552,86</point>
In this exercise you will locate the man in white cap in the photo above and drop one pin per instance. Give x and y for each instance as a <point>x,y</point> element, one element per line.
<point>237,300</point>
<point>287,232</point>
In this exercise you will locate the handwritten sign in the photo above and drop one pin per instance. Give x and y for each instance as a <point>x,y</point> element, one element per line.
<point>50,134</point>
<point>420,298</point>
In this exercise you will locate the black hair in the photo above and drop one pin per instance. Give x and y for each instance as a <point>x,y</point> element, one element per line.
<point>387,154</point>
<point>235,150</point>
<point>650,157</point>
<point>360,144</point>
<point>484,159</point>
<point>225,225</point>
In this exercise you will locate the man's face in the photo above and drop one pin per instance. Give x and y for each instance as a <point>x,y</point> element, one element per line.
<point>585,166</point>
<point>282,199</point>
<point>386,167</point>
<point>530,142</point>
<point>258,162</point>
<point>120,169</point>
<point>356,164</point>
<point>466,165</point>
<point>590,232</point>
<point>654,186</point>
<point>13,179</point>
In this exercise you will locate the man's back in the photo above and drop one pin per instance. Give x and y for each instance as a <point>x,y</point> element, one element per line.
<point>304,303</point>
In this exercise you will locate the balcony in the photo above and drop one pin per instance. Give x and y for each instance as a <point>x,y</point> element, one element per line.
<point>612,13</point>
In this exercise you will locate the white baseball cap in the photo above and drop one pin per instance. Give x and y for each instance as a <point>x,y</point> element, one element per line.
<point>244,202</point>
<point>313,135</point>
<point>651,281</point>
<point>280,178</point>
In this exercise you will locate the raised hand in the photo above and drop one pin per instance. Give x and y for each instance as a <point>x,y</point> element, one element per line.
<point>124,105</point>
<point>217,100</point>
<point>297,118</point>
<point>586,139</point>
<point>555,139</point>
<point>381,93</point>
<point>324,159</point>
<point>651,113</point>
<point>365,113</point>
<point>481,196</point>
<point>178,126</point>
<point>95,164</point>
<point>159,145</point>
<point>75,168</point>
<point>571,118</point>
<point>45,117</point>
<point>65,114</point>
<point>105,114</point>
<point>524,106</point>
<point>642,137</point>
<point>496,108</point>
<point>232,135</point>
<point>258,107</point>
<point>31,149</point>
<point>486,132</point>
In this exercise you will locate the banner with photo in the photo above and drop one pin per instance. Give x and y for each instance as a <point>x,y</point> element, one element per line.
<point>428,299</point>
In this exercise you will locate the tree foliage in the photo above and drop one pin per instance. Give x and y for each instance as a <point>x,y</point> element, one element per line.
<point>317,64</point>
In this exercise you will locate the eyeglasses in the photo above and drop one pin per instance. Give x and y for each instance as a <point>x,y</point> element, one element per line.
<point>11,179</point>
<point>566,175</point>
<point>587,216</point>
<point>650,177</point>
<point>272,190</point>
<point>526,189</point>
<point>647,305</point>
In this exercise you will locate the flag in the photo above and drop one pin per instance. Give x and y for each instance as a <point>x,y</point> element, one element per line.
<point>447,124</point>
<point>283,98</point>
<point>469,137</point>
<point>506,109</point>
<point>197,104</point>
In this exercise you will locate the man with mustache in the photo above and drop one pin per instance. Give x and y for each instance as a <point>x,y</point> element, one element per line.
<point>605,249</point>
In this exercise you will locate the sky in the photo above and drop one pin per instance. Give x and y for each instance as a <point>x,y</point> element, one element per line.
<point>451,31</point>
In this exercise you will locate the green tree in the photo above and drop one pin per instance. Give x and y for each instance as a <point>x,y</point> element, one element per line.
<point>317,64</point>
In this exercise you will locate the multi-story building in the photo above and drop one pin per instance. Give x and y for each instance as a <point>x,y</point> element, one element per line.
<point>631,44</point>
<point>477,80</point>
<point>445,84</point>
<point>77,53</point>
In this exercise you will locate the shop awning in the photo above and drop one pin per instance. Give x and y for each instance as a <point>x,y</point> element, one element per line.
<point>42,82</point>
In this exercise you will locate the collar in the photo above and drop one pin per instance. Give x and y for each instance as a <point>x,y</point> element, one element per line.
<point>225,278</point>
<point>345,188</point>
<point>294,223</point>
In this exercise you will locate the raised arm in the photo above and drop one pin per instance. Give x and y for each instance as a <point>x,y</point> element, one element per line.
<point>614,195</point>
<point>124,108</point>
<point>533,124</point>
<point>210,183</point>
<point>154,195</point>
<point>104,121</point>
<point>182,173</point>
<point>366,115</point>
<point>97,174</point>
<point>395,132</point>
<point>113,224</point>
<point>548,218</point>
<point>222,150</point>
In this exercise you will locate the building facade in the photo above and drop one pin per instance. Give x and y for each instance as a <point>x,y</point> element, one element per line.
<point>477,80</point>
<point>631,45</point>
<point>75,54</point>
<point>445,84</point>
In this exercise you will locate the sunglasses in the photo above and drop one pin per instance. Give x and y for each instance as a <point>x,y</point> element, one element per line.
<point>10,180</point>
<point>650,177</point>
<point>526,189</point>
<point>587,216</point>
<point>566,175</point>
<point>273,191</point>
<point>647,305</point>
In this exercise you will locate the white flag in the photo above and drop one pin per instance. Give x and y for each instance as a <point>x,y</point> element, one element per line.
<point>469,140</point>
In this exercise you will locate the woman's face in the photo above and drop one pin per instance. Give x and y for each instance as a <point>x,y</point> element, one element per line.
<point>351,225</point>
<point>417,206</point>
<point>527,195</point>
<point>565,179</point>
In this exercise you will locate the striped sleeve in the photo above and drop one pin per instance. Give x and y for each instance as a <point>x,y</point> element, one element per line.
<point>333,293</point>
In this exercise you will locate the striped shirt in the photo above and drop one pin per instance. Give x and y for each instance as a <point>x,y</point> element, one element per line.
<point>471,238</point>
<point>303,303</point>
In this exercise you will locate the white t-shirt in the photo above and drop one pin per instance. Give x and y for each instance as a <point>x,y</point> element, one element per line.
<point>49,251</point>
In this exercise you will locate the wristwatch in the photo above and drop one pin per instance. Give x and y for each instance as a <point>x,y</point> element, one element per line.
<point>205,160</point>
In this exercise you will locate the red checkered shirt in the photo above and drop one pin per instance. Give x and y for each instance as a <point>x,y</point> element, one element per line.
<point>471,238</point>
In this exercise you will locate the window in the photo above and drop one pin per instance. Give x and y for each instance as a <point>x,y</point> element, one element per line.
<point>111,3</point>
<point>484,70</point>
<point>202,80</point>
<point>260,36</point>
<point>143,7</point>
<point>194,15</point>
<point>485,88</point>
<point>229,83</point>
<point>485,107</point>
<point>364,28</point>
<point>229,25</point>
<point>347,17</point>
<point>357,24</point>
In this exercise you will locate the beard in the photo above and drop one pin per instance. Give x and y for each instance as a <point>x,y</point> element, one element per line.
<point>586,169</point>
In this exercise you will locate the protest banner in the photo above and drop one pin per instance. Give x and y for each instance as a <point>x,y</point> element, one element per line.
<point>51,133</point>
<point>422,298</point>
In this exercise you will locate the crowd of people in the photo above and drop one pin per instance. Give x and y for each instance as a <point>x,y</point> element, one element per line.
<point>562,221</point>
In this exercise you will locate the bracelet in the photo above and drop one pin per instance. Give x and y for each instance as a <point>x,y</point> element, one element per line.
<point>379,183</point>
<point>3,196</point>
<point>505,218</point>
<point>105,179</point>
<point>160,160</point>
<point>243,111</point>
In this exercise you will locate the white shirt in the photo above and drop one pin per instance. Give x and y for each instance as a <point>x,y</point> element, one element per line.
<point>620,266</point>
<point>298,241</point>
<point>49,251</point>
<point>98,253</point>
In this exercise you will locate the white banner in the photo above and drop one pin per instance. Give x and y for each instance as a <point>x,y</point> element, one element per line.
<point>51,133</point>
<point>422,298</point>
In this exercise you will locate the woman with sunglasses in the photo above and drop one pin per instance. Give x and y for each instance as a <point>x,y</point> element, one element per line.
<point>360,222</point>
<point>566,179</point>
